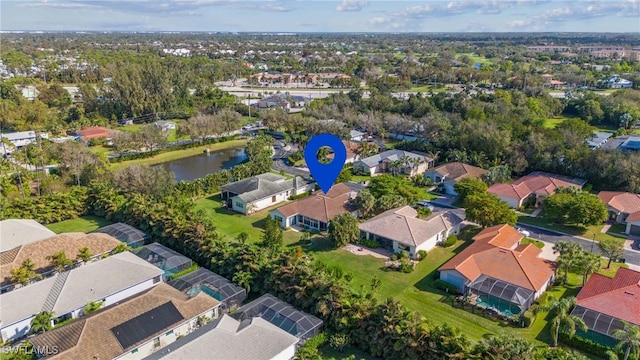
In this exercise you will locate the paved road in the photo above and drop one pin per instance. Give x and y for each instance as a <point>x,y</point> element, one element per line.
<point>280,154</point>
<point>631,256</point>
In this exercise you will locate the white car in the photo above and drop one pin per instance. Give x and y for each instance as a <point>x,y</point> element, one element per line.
<point>426,204</point>
<point>524,232</point>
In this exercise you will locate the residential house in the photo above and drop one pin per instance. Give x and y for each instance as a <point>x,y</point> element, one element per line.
<point>230,339</point>
<point>598,139</point>
<point>94,132</point>
<point>132,329</point>
<point>394,161</point>
<point>536,186</point>
<point>300,101</point>
<point>110,280</point>
<point>400,229</point>
<point>352,148</point>
<point>39,251</point>
<point>261,191</point>
<point>497,268</point>
<point>165,125</point>
<point>632,143</point>
<point>604,302</point>
<point>624,208</point>
<point>316,210</point>
<point>447,175</point>
<point>18,232</point>
<point>616,82</point>
<point>356,136</point>
<point>274,101</point>
<point>20,139</point>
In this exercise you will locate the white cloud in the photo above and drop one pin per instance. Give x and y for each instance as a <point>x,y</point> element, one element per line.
<point>351,5</point>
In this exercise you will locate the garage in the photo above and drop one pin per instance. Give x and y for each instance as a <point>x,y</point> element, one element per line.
<point>634,230</point>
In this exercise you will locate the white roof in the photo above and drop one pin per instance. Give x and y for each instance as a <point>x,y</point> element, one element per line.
<point>19,135</point>
<point>73,289</point>
<point>17,232</point>
<point>230,339</point>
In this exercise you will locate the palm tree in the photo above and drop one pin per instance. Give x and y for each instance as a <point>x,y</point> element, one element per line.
<point>122,247</point>
<point>84,254</point>
<point>569,253</point>
<point>92,306</point>
<point>243,278</point>
<point>25,272</point>
<point>588,263</point>
<point>629,337</point>
<point>60,261</point>
<point>42,322</point>
<point>562,319</point>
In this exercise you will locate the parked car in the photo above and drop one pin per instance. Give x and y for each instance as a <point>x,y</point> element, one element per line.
<point>524,232</point>
<point>425,203</point>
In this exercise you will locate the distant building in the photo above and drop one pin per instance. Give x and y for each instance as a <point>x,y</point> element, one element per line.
<point>598,139</point>
<point>616,82</point>
<point>19,139</point>
<point>94,132</point>
<point>447,175</point>
<point>631,144</point>
<point>536,186</point>
<point>394,161</point>
<point>165,125</point>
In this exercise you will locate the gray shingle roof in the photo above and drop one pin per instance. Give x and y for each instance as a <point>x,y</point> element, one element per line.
<point>16,232</point>
<point>73,289</point>
<point>391,155</point>
<point>230,339</point>
<point>262,186</point>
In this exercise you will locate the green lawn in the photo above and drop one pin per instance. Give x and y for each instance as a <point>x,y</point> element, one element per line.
<point>618,229</point>
<point>100,149</point>
<point>586,232</point>
<point>552,123</point>
<point>536,243</point>
<point>82,224</point>
<point>179,154</point>
<point>475,58</point>
<point>230,223</point>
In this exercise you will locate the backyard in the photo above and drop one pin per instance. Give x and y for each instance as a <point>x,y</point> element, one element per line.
<point>83,224</point>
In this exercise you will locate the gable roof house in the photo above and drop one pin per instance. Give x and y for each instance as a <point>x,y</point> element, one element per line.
<point>536,186</point>
<point>624,208</point>
<point>499,269</point>
<point>604,302</point>
<point>400,229</point>
<point>37,252</point>
<point>447,175</point>
<point>132,329</point>
<point>616,82</point>
<point>165,125</point>
<point>227,338</point>
<point>316,210</point>
<point>66,294</point>
<point>261,191</point>
<point>94,132</point>
<point>392,161</point>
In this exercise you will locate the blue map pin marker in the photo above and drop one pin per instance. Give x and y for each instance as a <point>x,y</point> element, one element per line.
<point>325,174</point>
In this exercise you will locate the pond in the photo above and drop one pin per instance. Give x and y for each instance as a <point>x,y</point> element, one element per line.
<point>197,166</point>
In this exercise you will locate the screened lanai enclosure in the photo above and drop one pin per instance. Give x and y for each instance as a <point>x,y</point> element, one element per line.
<point>283,315</point>
<point>502,296</point>
<point>598,322</point>
<point>125,233</point>
<point>202,280</point>
<point>170,261</point>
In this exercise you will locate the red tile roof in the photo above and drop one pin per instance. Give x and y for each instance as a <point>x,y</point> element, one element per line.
<point>536,182</point>
<point>351,147</point>
<point>320,206</point>
<point>95,132</point>
<point>496,253</point>
<point>621,201</point>
<point>618,297</point>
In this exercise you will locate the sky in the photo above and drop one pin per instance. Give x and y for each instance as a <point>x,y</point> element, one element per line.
<point>322,15</point>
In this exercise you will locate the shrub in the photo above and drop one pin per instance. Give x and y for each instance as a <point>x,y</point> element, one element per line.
<point>586,345</point>
<point>406,266</point>
<point>528,318</point>
<point>422,254</point>
<point>372,244</point>
<point>299,196</point>
<point>393,257</point>
<point>451,240</point>
<point>446,287</point>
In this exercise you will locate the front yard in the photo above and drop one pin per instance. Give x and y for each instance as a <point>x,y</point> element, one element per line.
<point>587,232</point>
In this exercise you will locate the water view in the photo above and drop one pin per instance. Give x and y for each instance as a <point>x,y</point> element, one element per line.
<point>194,167</point>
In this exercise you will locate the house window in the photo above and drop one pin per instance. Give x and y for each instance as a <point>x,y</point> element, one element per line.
<point>403,247</point>
<point>169,332</point>
<point>156,343</point>
<point>134,351</point>
<point>156,279</point>
<point>273,199</point>
<point>239,205</point>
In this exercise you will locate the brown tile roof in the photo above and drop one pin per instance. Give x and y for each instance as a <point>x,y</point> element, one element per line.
<point>321,207</point>
<point>537,182</point>
<point>94,132</point>
<point>618,297</point>
<point>621,201</point>
<point>458,171</point>
<point>634,217</point>
<point>351,147</point>
<point>91,336</point>
<point>496,253</point>
<point>70,243</point>
<point>402,225</point>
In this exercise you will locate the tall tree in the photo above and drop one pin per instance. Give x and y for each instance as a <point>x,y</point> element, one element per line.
<point>152,137</point>
<point>60,261</point>
<point>272,237</point>
<point>42,322</point>
<point>629,338</point>
<point>24,273</point>
<point>343,229</point>
<point>569,256</point>
<point>562,320</point>
<point>150,180</point>
<point>612,248</point>
<point>365,202</point>
<point>84,254</point>
<point>588,263</point>
<point>488,210</point>
<point>469,186</point>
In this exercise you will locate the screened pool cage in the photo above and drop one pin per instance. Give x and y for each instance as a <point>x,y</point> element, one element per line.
<point>283,315</point>
<point>598,322</point>
<point>166,259</point>
<point>202,280</point>
<point>507,298</point>
<point>125,233</point>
